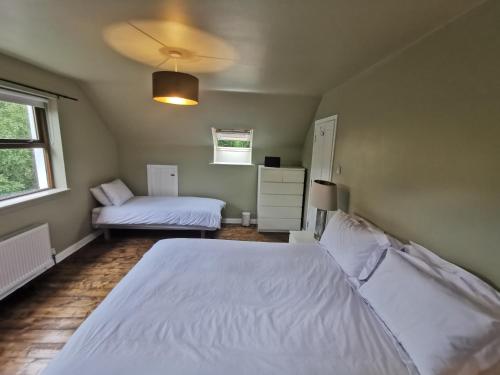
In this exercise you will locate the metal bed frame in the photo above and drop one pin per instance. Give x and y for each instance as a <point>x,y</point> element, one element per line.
<point>108,227</point>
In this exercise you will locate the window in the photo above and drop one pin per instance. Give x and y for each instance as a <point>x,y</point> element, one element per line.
<point>232,146</point>
<point>25,165</point>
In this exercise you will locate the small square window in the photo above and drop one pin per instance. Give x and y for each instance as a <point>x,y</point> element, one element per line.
<point>232,146</point>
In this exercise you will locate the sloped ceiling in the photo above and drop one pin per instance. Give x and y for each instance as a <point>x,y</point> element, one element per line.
<point>282,54</point>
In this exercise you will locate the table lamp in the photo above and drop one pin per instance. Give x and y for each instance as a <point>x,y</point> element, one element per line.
<point>324,198</point>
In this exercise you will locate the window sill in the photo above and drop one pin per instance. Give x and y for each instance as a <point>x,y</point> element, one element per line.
<point>12,202</point>
<point>241,164</point>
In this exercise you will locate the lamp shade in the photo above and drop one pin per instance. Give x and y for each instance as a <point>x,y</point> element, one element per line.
<point>175,88</point>
<point>324,195</point>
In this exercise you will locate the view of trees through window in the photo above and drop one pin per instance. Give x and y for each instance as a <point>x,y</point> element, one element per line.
<point>233,143</point>
<point>17,165</point>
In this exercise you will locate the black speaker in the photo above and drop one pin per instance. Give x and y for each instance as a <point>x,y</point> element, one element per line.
<point>272,161</point>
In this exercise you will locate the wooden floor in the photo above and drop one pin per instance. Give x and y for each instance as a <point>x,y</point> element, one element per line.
<point>38,319</point>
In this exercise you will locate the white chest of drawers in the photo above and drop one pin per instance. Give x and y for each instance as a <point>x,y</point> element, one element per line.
<point>279,199</point>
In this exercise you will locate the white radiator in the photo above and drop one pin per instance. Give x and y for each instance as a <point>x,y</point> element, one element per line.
<point>23,256</point>
<point>162,180</point>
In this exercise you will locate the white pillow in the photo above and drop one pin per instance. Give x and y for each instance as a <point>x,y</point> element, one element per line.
<point>99,195</point>
<point>376,258</point>
<point>453,276</point>
<point>352,243</point>
<point>395,243</point>
<point>441,330</point>
<point>117,192</point>
<point>370,266</point>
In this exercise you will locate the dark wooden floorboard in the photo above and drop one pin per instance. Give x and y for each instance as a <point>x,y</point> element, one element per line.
<point>39,318</point>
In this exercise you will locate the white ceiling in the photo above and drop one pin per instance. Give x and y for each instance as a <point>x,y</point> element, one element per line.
<point>295,48</point>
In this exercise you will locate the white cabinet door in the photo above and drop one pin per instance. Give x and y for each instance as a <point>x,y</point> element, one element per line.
<point>162,180</point>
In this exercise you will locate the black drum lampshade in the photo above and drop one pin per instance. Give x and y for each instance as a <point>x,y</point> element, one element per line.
<point>175,88</point>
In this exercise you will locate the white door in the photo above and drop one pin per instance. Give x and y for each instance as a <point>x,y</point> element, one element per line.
<point>162,180</point>
<point>322,160</point>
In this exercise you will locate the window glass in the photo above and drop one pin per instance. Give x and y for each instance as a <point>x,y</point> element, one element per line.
<point>24,148</point>
<point>233,143</point>
<point>232,146</point>
<point>17,121</point>
<point>20,173</point>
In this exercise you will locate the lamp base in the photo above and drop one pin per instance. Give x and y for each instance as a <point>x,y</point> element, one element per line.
<point>320,223</point>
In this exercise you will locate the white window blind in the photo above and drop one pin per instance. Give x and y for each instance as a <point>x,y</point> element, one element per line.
<point>232,146</point>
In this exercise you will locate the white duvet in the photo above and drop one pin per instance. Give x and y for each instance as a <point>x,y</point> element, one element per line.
<point>181,211</point>
<point>220,307</point>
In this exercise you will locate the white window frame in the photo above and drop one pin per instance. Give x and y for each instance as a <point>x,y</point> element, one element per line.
<point>50,104</point>
<point>227,155</point>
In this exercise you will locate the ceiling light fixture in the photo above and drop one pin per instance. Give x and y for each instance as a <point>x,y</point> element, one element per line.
<point>175,87</point>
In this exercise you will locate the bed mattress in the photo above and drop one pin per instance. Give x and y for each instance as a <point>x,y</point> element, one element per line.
<point>175,211</point>
<point>220,307</point>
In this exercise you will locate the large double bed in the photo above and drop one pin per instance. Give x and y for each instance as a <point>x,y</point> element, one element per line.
<point>193,306</point>
<point>358,302</point>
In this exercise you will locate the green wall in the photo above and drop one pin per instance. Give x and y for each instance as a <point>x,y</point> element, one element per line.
<point>165,134</point>
<point>90,156</point>
<point>418,140</point>
<point>237,185</point>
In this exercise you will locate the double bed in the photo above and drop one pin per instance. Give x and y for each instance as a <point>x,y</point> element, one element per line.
<point>172,213</point>
<point>193,306</point>
<point>357,302</point>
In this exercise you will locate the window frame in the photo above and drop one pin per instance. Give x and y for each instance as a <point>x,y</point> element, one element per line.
<point>40,117</point>
<point>232,149</point>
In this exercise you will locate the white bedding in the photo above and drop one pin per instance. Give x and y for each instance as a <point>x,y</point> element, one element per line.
<point>179,211</point>
<point>227,307</point>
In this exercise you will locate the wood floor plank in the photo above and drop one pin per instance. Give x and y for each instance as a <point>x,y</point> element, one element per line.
<point>53,336</point>
<point>40,323</point>
<point>34,366</point>
<point>39,318</point>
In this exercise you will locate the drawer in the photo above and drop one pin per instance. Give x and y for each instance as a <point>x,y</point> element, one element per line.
<point>281,200</point>
<point>281,188</point>
<point>271,175</point>
<point>293,176</point>
<point>280,212</point>
<point>265,224</point>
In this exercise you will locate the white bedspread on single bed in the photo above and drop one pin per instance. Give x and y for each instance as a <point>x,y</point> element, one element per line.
<point>183,211</point>
<point>215,307</point>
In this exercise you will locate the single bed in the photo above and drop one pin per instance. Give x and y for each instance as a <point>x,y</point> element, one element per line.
<point>173,213</point>
<point>218,307</point>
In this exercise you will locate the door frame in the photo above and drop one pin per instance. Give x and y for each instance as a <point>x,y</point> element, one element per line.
<point>330,119</point>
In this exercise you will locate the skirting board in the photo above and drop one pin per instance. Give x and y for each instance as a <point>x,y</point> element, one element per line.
<point>236,220</point>
<point>77,245</point>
